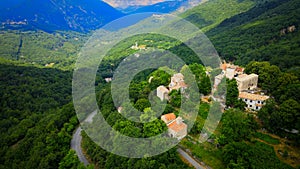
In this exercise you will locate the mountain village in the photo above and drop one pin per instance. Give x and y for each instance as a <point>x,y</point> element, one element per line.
<point>247,87</point>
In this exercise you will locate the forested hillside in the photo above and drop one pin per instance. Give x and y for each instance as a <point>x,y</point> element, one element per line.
<point>267,32</point>
<point>37,118</point>
<point>211,13</point>
<point>38,48</point>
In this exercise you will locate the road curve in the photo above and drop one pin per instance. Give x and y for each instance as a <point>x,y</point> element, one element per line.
<point>77,138</point>
<point>76,145</point>
<point>190,159</point>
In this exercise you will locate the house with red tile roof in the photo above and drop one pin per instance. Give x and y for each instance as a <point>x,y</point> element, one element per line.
<point>176,127</point>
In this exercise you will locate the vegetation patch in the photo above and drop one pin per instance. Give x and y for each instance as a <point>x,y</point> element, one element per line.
<point>266,138</point>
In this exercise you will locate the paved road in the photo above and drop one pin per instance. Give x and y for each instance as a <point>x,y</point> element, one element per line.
<point>76,145</point>
<point>190,159</point>
<point>77,138</point>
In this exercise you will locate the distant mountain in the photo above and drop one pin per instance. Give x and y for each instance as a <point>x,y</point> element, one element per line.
<point>123,4</point>
<point>49,15</point>
<point>163,7</point>
<point>168,6</point>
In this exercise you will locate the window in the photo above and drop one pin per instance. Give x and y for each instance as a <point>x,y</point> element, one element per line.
<point>250,105</point>
<point>258,102</point>
<point>246,100</point>
<point>250,101</point>
<point>262,102</point>
<point>256,107</point>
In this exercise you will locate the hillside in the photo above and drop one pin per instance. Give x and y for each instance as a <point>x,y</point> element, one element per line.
<point>37,118</point>
<point>36,121</point>
<point>211,13</point>
<point>51,15</point>
<point>164,7</point>
<point>58,50</point>
<point>267,32</point>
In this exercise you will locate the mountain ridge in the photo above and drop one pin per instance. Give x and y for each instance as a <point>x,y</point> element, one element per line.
<point>53,15</point>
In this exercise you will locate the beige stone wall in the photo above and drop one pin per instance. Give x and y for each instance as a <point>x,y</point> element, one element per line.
<point>249,83</point>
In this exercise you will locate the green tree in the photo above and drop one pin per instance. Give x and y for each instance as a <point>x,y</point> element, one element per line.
<point>70,161</point>
<point>175,98</point>
<point>154,128</point>
<point>141,104</point>
<point>287,116</point>
<point>232,93</point>
<point>236,126</point>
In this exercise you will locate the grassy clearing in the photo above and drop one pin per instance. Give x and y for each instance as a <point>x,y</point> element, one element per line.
<point>267,138</point>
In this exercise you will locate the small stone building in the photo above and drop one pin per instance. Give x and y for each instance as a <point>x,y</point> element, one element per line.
<point>218,80</point>
<point>176,127</point>
<point>167,118</point>
<point>231,70</point>
<point>163,93</point>
<point>253,101</point>
<point>247,82</point>
<point>177,82</point>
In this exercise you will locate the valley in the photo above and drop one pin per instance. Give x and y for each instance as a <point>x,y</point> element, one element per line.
<point>39,45</point>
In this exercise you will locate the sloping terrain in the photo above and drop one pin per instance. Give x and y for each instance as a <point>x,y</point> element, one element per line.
<point>267,32</point>
<point>51,15</point>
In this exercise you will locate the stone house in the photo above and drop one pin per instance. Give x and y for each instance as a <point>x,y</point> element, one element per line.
<point>163,93</point>
<point>247,82</point>
<point>230,70</point>
<point>253,101</point>
<point>218,80</point>
<point>177,82</point>
<point>176,127</point>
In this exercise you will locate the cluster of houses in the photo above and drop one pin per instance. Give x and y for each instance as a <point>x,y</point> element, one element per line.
<point>138,47</point>
<point>176,127</point>
<point>177,83</point>
<point>247,85</point>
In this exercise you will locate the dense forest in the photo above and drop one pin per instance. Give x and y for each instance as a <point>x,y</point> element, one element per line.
<point>38,118</point>
<point>38,48</point>
<point>267,32</point>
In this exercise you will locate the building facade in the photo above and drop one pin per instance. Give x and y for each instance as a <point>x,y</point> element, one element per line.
<point>253,101</point>
<point>163,93</point>
<point>247,82</point>
<point>177,82</point>
<point>176,127</point>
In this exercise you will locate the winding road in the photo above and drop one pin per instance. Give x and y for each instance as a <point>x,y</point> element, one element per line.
<point>76,145</point>
<point>77,138</point>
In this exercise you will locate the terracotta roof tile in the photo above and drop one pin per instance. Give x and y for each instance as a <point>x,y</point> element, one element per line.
<point>177,127</point>
<point>169,117</point>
